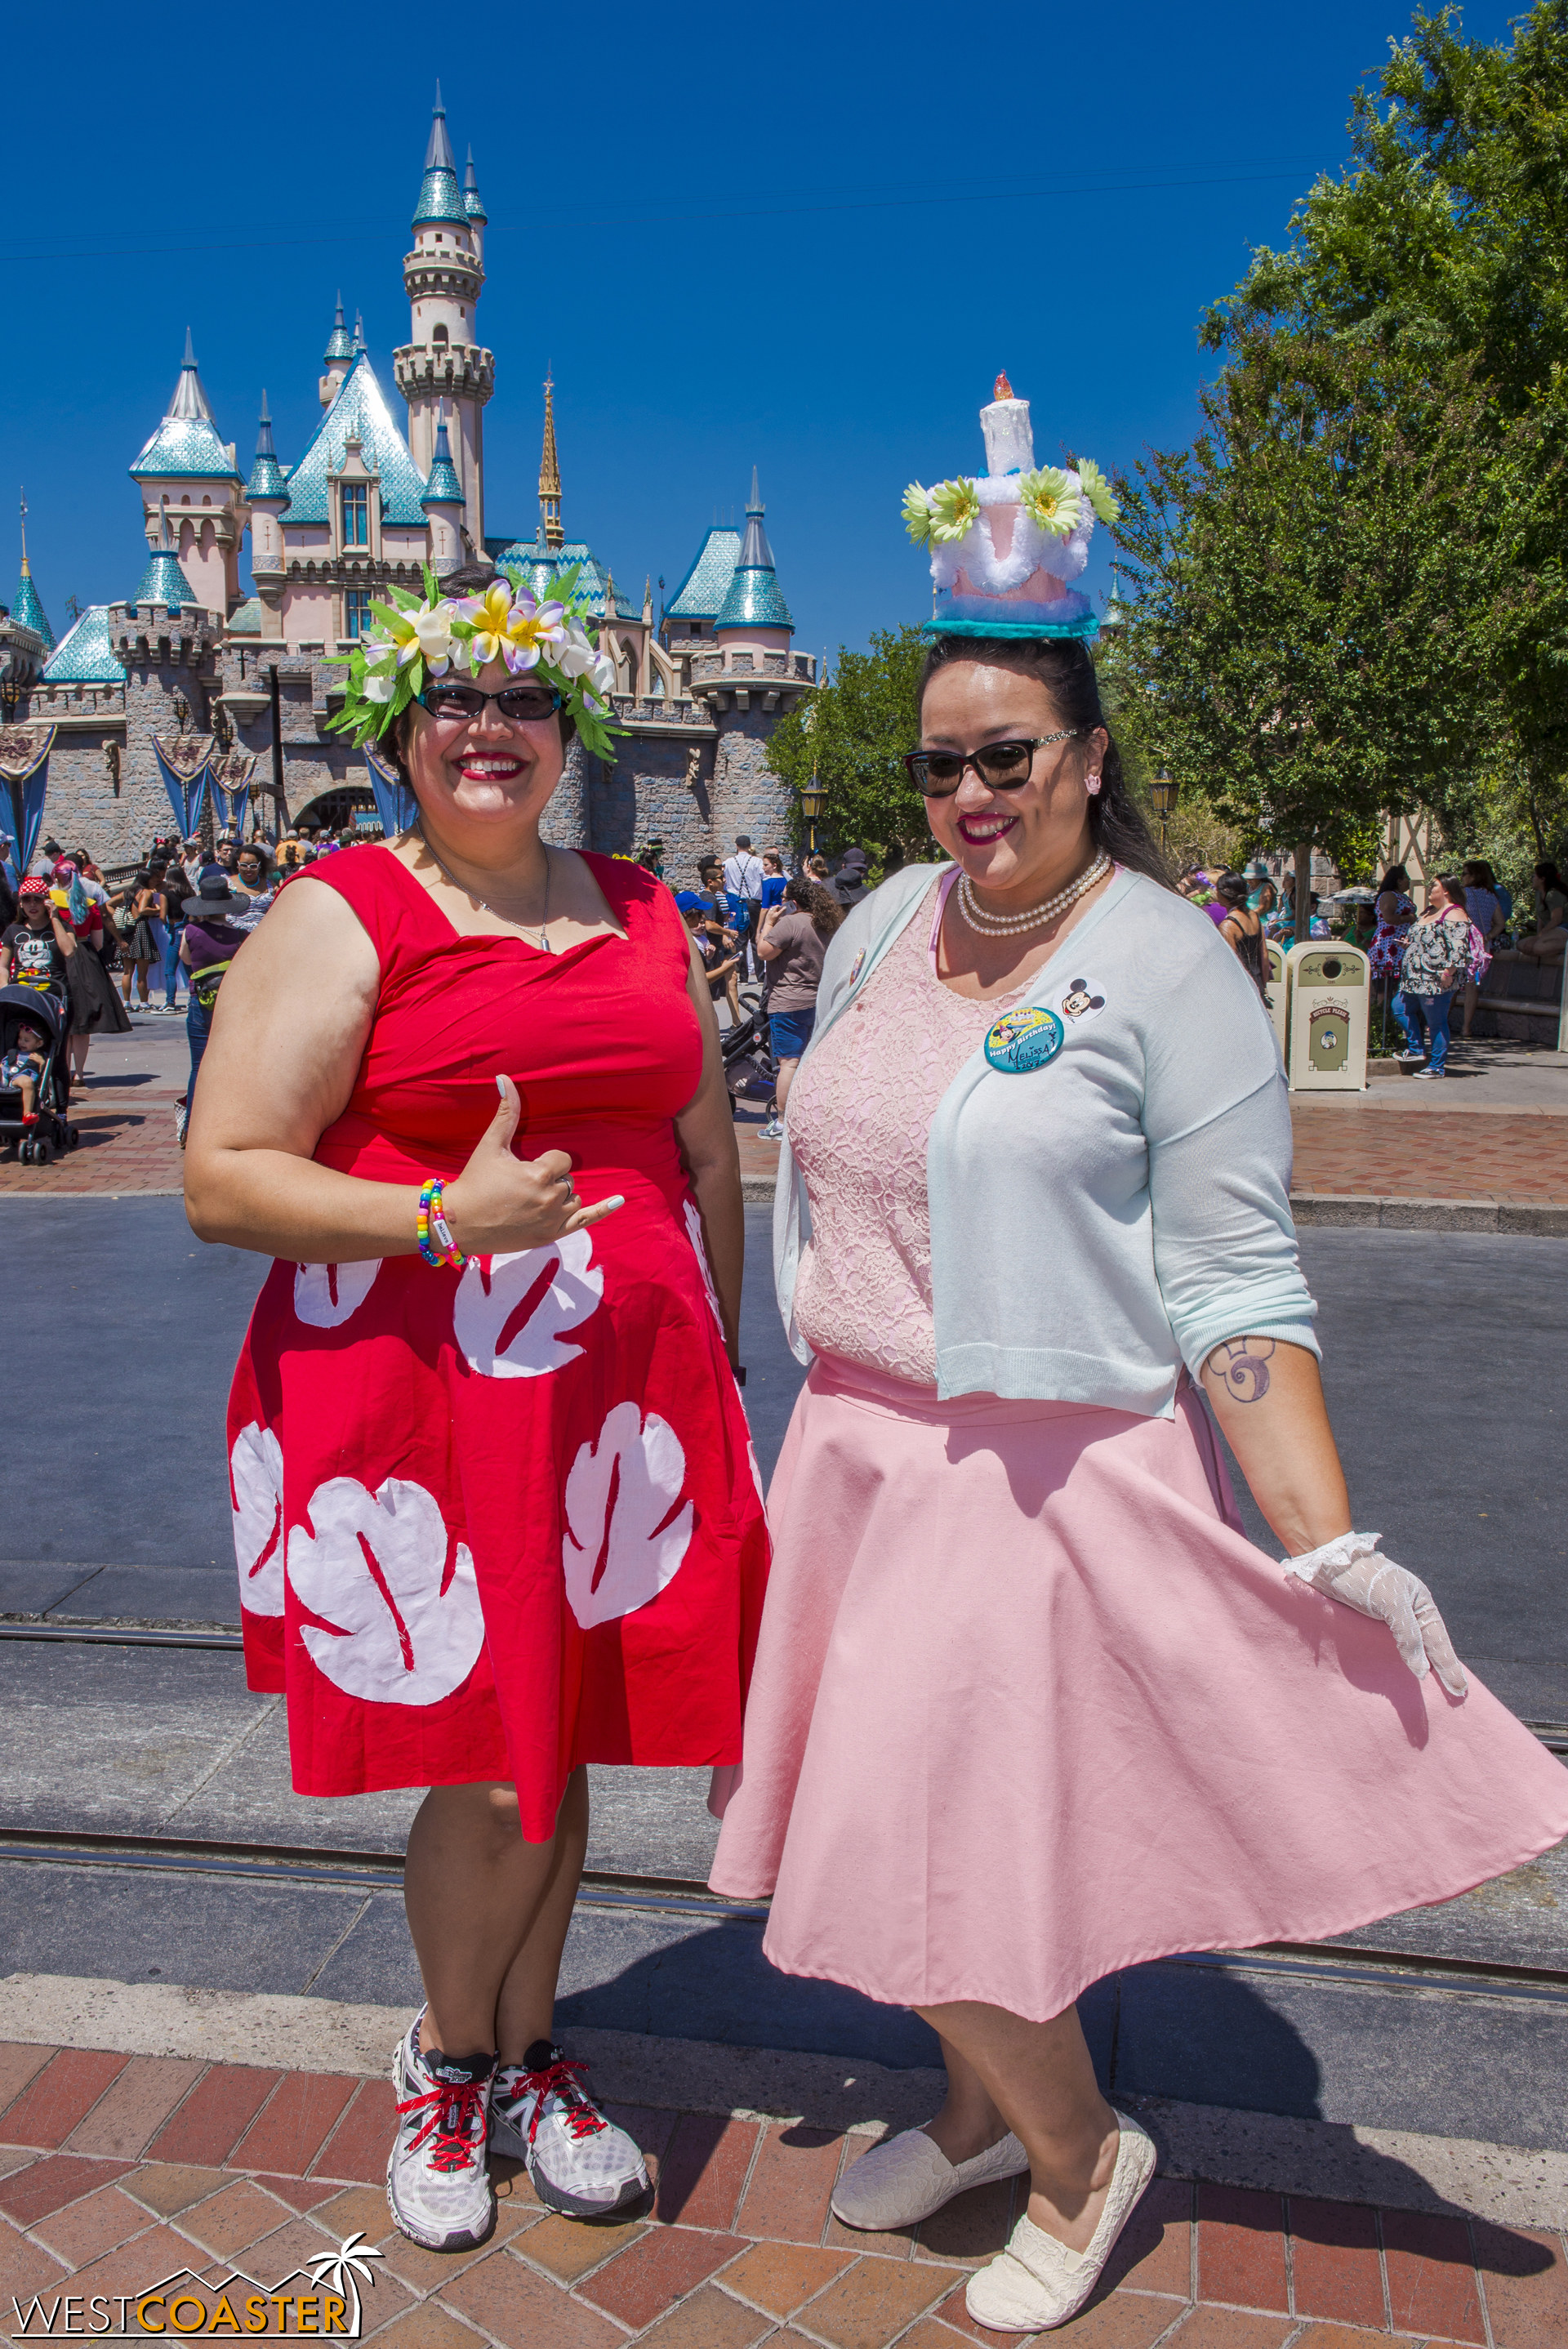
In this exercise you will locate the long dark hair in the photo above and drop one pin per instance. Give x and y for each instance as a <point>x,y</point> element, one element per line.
<point>811,897</point>
<point>1062,664</point>
<point>1546,873</point>
<point>469,579</point>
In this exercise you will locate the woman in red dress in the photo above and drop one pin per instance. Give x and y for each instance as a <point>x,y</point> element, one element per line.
<point>496,1518</point>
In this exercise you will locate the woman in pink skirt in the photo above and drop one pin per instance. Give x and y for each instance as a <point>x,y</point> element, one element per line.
<point>1027,1705</point>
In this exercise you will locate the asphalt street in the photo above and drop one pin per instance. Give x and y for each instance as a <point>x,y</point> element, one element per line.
<point>1443,1360</point>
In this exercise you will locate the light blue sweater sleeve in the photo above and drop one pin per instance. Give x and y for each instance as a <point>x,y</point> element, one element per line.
<point>1217,1117</point>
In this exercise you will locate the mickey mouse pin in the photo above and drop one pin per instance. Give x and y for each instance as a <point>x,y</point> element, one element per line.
<point>1078,1003</point>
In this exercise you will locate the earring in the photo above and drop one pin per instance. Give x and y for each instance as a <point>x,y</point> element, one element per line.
<point>1091,784</point>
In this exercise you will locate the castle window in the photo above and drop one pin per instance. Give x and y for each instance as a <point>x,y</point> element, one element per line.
<point>357,620</point>
<point>355,516</point>
<point>439,337</point>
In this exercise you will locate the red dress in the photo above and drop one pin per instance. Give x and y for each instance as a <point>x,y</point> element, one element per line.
<point>501,1523</point>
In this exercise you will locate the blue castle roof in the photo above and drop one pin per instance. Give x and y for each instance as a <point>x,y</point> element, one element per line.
<point>163,583</point>
<point>701,594</point>
<point>441,198</point>
<point>473,202</point>
<point>542,565</point>
<point>752,599</point>
<point>84,654</point>
<point>360,412</point>
<point>443,488</point>
<point>338,346</point>
<point>267,478</point>
<point>186,446</point>
<point>27,607</point>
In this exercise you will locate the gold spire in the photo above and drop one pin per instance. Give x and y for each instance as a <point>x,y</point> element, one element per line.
<point>550,473</point>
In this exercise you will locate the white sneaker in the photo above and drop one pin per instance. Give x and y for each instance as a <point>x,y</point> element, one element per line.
<point>1036,2283</point>
<point>438,2186</point>
<point>578,2162</point>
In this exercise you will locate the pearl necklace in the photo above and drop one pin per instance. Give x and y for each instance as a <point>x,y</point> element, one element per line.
<point>544,945</point>
<point>1007,926</point>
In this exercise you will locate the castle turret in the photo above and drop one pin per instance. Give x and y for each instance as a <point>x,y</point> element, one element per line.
<point>191,486</point>
<point>753,610</point>
<point>473,204</point>
<point>443,502</point>
<point>267,495</point>
<point>163,586</point>
<point>337,357</point>
<point>444,365</point>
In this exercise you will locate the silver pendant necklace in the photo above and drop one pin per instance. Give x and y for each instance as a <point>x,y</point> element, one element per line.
<point>1007,926</point>
<point>544,945</point>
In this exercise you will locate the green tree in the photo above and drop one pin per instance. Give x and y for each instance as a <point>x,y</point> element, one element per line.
<point>1446,244</point>
<point>853,736</point>
<point>1294,651</point>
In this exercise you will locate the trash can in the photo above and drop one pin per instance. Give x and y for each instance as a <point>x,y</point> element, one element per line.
<point>1276,995</point>
<point>1329,995</point>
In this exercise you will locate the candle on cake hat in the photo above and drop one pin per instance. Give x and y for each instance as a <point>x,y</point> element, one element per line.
<point>1006,544</point>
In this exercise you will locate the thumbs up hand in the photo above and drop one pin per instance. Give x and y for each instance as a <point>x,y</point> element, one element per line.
<point>501,1203</point>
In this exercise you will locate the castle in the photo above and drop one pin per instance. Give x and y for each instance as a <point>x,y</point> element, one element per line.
<point>191,665</point>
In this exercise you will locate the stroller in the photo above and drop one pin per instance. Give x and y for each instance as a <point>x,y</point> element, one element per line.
<point>749,1068</point>
<point>42,1008</point>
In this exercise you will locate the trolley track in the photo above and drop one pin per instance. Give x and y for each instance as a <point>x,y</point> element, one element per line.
<point>324,1866</point>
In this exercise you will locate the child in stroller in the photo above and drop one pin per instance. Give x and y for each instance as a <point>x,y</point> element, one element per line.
<point>34,1074</point>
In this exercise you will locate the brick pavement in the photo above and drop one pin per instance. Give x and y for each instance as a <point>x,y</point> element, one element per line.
<point>119,2170</point>
<point>129,1142</point>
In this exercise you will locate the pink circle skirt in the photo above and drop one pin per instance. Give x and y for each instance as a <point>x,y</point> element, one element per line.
<point>1029,1707</point>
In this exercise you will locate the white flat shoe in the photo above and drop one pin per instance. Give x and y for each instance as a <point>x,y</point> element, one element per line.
<point>1036,2283</point>
<point>907,2178</point>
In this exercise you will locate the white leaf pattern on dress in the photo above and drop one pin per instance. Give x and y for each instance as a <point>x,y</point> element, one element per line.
<point>326,1294</point>
<point>625,1536</point>
<point>511,1311</point>
<point>383,1570</point>
<point>693,1233</point>
<point>256,1494</point>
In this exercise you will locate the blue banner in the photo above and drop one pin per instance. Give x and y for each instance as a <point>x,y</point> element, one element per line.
<point>24,771</point>
<point>394,803</point>
<point>229,778</point>
<point>183,764</point>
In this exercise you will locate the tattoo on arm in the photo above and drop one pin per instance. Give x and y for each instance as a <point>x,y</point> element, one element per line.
<point>1241,1365</point>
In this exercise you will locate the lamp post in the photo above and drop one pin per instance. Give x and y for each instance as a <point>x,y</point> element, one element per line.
<point>1163,792</point>
<point>811,797</point>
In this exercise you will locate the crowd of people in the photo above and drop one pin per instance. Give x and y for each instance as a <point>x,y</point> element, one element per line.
<point>1426,957</point>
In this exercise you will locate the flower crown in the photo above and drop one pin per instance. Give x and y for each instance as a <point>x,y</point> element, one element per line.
<point>1053,499</point>
<point>415,640</point>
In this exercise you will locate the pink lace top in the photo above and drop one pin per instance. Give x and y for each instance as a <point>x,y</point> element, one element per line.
<point>859,1118</point>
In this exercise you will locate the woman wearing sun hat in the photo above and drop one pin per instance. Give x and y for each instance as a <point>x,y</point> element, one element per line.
<point>495,1509</point>
<point>1028,1706</point>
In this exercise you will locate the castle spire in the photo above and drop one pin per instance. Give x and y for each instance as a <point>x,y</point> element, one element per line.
<point>337,343</point>
<point>267,474</point>
<point>441,198</point>
<point>473,202</point>
<point>550,474</point>
<point>754,600</point>
<point>190,402</point>
<point>26,605</point>
<point>359,332</point>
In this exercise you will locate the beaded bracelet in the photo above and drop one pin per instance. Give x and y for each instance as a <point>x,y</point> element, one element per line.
<point>437,1244</point>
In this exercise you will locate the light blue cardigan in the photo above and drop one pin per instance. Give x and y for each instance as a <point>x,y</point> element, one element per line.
<point>1126,1207</point>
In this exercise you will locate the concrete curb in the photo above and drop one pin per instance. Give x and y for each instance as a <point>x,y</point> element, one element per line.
<point>1510,2185</point>
<point>1391,1213</point>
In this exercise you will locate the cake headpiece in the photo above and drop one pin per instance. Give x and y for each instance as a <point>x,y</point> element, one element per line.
<point>418,638</point>
<point>1004,545</point>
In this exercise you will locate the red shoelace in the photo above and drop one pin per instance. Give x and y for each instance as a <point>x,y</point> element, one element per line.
<point>457,2122</point>
<point>582,2117</point>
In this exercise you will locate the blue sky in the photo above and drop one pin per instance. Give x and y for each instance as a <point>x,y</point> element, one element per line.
<point>807,240</point>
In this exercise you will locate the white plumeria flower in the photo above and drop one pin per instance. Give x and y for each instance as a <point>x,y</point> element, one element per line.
<point>576,655</point>
<point>429,638</point>
<point>603,672</point>
<point>380,689</point>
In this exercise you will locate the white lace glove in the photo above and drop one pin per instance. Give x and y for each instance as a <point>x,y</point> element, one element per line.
<point>1350,1570</point>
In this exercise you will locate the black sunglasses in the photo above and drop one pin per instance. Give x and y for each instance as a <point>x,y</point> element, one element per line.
<point>515,702</point>
<point>1001,766</point>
